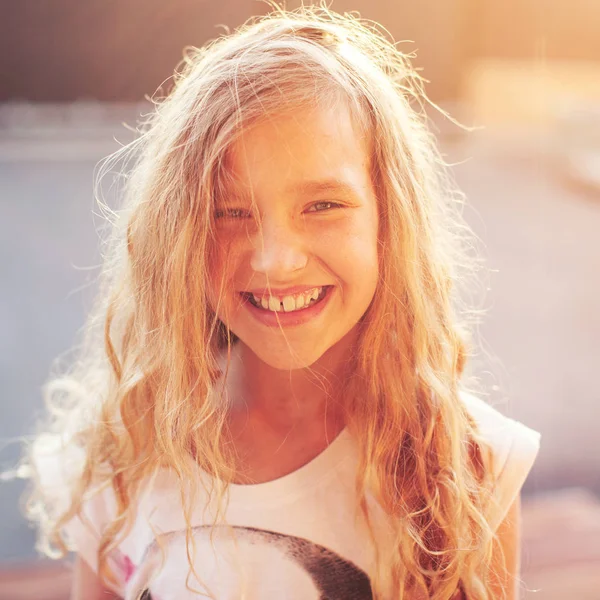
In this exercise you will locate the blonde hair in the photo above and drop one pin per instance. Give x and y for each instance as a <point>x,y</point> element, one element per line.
<point>141,395</point>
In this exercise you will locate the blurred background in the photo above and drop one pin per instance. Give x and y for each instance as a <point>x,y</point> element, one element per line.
<point>75,76</point>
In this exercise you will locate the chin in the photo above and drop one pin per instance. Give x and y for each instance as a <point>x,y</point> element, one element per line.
<point>286,360</point>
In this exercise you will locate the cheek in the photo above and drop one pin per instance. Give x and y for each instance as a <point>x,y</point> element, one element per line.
<point>367,244</point>
<point>225,253</point>
<point>352,248</point>
<point>222,261</point>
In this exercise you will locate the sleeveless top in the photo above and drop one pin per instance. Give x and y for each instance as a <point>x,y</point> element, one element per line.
<point>296,537</point>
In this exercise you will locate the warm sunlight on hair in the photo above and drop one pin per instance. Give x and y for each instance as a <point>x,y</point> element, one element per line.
<point>288,223</point>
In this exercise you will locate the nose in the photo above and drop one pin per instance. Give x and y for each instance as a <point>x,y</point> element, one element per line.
<point>278,251</point>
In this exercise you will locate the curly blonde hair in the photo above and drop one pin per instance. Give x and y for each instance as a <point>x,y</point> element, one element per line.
<point>141,394</point>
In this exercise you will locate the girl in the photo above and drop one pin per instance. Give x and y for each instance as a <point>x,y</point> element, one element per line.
<point>270,401</point>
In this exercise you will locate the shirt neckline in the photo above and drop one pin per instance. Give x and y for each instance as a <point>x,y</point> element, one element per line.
<point>301,480</point>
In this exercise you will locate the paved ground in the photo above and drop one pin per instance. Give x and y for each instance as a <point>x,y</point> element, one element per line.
<point>542,239</point>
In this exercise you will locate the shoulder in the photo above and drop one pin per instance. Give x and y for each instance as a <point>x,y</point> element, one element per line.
<point>514,448</point>
<point>58,467</point>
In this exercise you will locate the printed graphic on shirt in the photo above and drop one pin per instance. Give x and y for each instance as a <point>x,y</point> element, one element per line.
<point>243,562</point>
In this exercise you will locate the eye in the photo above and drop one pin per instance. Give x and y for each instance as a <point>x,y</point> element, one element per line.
<point>324,206</point>
<point>231,213</point>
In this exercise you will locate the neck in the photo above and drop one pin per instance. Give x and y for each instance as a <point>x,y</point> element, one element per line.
<point>282,400</point>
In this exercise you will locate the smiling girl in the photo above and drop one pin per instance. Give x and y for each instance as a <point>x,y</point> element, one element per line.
<point>270,400</point>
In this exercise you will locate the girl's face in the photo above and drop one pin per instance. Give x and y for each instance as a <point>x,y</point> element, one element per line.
<point>296,231</point>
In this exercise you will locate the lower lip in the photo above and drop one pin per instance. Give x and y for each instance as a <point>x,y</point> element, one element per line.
<point>288,319</point>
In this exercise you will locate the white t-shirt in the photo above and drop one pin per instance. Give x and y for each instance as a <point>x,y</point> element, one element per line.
<point>295,537</point>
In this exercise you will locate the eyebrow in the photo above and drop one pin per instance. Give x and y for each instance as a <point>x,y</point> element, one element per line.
<point>306,188</point>
<point>322,185</point>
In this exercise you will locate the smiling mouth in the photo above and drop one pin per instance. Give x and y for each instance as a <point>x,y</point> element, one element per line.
<point>297,303</point>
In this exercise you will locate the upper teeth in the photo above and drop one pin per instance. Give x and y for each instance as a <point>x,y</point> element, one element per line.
<point>290,303</point>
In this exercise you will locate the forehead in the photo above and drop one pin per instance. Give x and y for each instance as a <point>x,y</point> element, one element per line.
<point>299,152</point>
